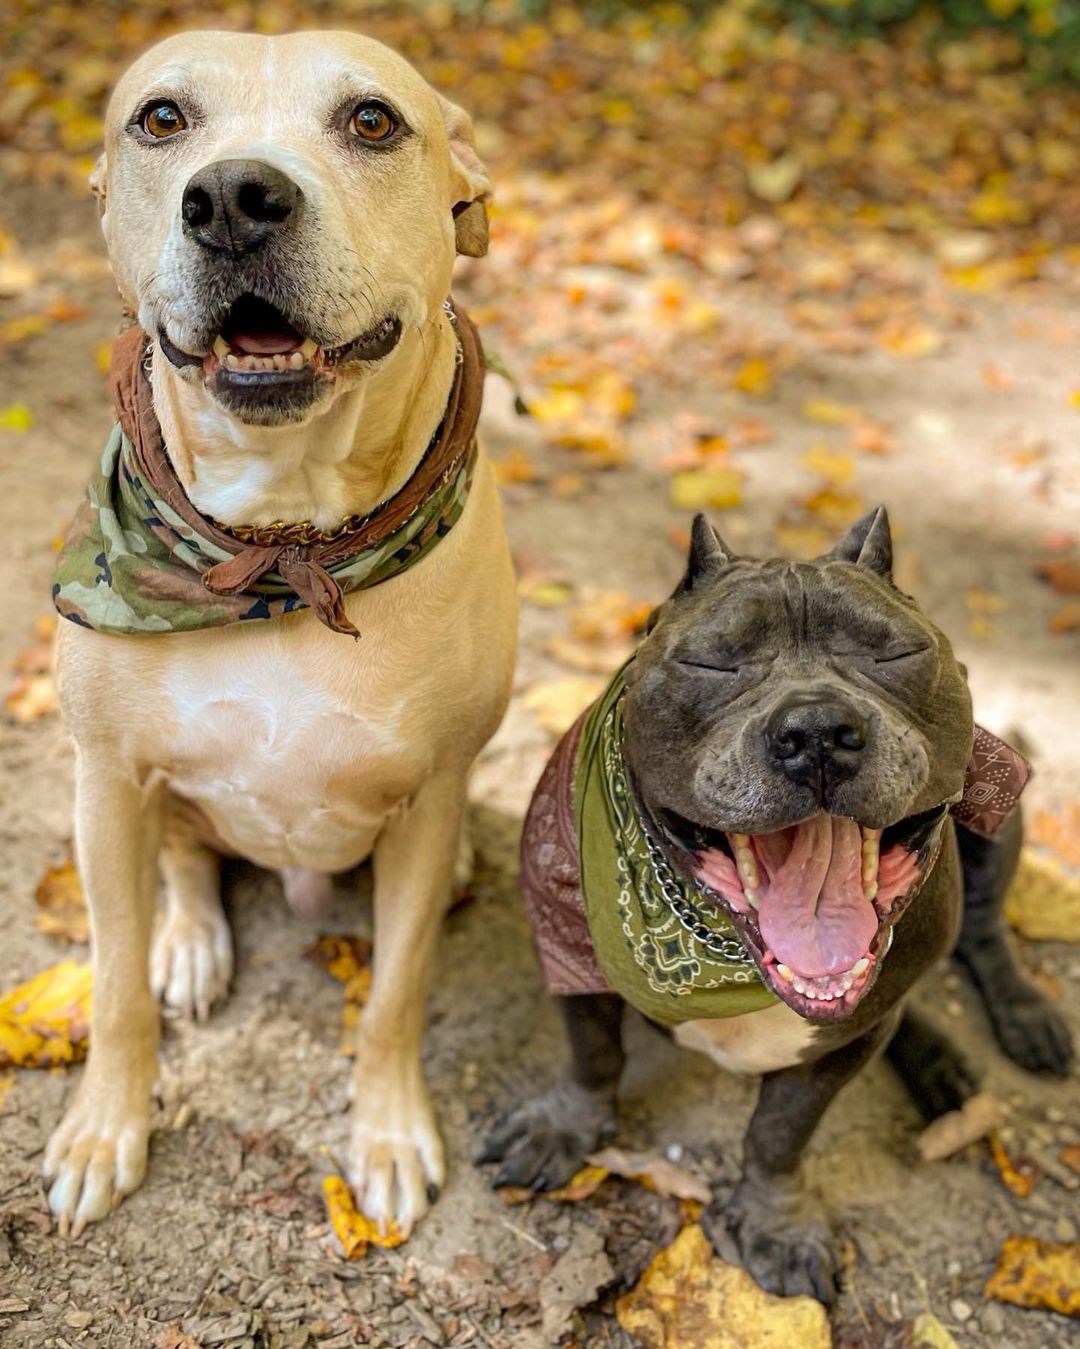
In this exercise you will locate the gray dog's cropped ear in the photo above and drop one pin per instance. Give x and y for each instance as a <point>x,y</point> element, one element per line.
<point>96,180</point>
<point>708,553</point>
<point>469,182</point>
<point>868,542</point>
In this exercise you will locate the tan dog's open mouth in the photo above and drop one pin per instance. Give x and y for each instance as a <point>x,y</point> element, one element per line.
<point>261,357</point>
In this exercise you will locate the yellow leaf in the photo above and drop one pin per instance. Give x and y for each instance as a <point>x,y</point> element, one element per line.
<point>834,465</point>
<point>927,1332</point>
<point>803,541</point>
<point>695,489</point>
<point>355,1231</point>
<point>834,507</point>
<point>19,329</point>
<point>1043,902</point>
<point>755,376</point>
<point>558,703</point>
<point>62,904</point>
<point>16,417</point>
<point>347,959</point>
<point>582,1185</point>
<point>1034,1273</point>
<point>103,356</point>
<point>690,1299</point>
<point>829,413</point>
<point>46,1021</point>
<point>31,697</point>
<point>544,592</point>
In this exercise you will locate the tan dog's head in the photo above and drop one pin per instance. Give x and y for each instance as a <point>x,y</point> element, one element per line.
<point>279,210</point>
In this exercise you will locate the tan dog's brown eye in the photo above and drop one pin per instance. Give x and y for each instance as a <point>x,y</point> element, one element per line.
<point>162,120</point>
<point>372,122</point>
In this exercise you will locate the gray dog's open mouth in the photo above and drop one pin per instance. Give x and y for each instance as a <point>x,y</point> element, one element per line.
<point>815,903</point>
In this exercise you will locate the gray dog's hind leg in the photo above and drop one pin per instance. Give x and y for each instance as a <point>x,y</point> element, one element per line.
<point>543,1142</point>
<point>1027,1027</point>
<point>779,1226</point>
<point>931,1067</point>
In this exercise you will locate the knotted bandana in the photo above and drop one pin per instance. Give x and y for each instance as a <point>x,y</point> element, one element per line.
<point>140,558</point>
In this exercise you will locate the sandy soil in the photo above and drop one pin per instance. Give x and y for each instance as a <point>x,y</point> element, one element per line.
<point>227,1238</point>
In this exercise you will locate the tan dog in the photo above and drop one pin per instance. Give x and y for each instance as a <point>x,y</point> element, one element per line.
<point>321,174</point>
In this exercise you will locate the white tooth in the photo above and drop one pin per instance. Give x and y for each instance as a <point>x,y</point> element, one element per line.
<point>809,992</point>
<point>845,986</point>
<point>308,348</point>
<point>221,347</point>
<point>870,889</point>
<point>826,997</point>
<point>785,972</point>
<point>280,362</point>
<point>296,361</point>
<point>232,362</point>
<point>860,967</point>
<point>752,899</point>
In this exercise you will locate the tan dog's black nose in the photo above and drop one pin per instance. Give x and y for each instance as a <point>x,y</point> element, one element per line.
<point>235,205</point>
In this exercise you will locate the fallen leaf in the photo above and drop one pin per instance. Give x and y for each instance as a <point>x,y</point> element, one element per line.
<point>1071,1157</point>
<point>30,698</point>
<point>575,1279</point>
<point>1034,1273</point>
<point>557,703</point>
<point>755,377</point>
<point>347,959</point>
<point>1059,831</point>
<point>833,465</point>
<point>696,489</point>
<point>836,508</point>
<point>803,541</point>
<point>1063,576</point>
<point>46,1021</point>
<point>927,1332</point>
<point>828,413</point>
<point>353,1229</point>
<point>16,417</point>
<point>951,1133</point>
<point>688,1298</point>
<point>655,1173</point>
<point>774,180</point>
<point>61,904</point>
<point>1020,1176</point>
<point>544,592</point>
<point>587,657</point>
<point>172,1337</point>
<point>1066,619</point>
<point>514,467</point>
<point>582,1184</point>
<point>1043,902</point>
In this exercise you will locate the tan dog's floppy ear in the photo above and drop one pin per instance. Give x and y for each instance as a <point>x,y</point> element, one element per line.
<point>97,181</point>
<point>469,182</point>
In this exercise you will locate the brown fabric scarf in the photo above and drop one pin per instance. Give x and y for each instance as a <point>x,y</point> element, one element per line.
<point>303,566</point>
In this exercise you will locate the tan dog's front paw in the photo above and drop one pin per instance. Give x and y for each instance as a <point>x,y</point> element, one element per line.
<point>95,1157</point>
<point>396,1163</point>
<point>191,961</point>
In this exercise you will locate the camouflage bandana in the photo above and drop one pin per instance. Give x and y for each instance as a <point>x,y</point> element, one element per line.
<point>139,558</point>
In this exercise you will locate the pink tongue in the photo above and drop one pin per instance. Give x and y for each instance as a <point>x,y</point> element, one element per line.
<point>264,344</point>
<point>813,915</point>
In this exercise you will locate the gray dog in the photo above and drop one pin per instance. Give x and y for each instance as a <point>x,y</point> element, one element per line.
<point>761,809</point>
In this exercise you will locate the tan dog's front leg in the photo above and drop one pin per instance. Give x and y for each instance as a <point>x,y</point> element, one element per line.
<point>395,1153</point>
<point>98,1153</point>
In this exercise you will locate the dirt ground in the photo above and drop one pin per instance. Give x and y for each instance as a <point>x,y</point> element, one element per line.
<point>227,1239</point>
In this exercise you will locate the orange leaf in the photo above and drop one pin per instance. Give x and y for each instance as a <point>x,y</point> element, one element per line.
<point>1034,1273</point>
<point>62,904</point>
<point>1020,1176</point>
<point>353,1229</point>
<point>1063,576</point>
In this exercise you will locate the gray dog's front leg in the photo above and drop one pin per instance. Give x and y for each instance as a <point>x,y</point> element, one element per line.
<point>780,1227</point>
<point>1028,1028</point>
<point>543,1142</point>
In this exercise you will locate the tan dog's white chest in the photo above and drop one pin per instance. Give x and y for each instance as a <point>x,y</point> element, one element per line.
<point>287,773</point>
<point>758,1042</point>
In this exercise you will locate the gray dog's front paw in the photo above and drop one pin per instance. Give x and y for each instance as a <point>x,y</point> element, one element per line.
<point>786,1243</point>
<point>1033,1034</point>
<point>542,1143</point>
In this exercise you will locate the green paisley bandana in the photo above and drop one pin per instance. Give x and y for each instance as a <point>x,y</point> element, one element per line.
<point>659,942</point>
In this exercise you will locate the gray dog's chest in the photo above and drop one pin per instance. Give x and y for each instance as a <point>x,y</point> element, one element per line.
<point>757,1042</point>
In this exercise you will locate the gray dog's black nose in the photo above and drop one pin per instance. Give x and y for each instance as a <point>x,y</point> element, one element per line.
<point>816,738</point>
<point>235,205</point>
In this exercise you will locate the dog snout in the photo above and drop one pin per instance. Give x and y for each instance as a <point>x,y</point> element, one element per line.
<point>816,738</point>
<point>235,205</point>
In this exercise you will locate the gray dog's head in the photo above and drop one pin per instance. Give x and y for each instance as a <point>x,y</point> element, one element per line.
<point>797,730</point>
